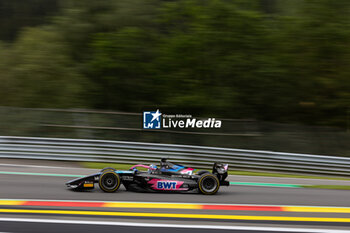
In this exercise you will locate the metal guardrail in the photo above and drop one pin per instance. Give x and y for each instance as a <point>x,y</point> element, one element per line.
<point>195,156</point>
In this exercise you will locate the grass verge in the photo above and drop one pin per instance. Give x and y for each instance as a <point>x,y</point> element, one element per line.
<point>338,187</point>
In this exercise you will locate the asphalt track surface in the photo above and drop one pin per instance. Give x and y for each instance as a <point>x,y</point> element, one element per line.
<point>46,187</point>
<point>59,228</point>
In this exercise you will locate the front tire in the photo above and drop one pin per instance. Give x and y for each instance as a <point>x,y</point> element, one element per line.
<point>109,181</point>
<point>208,184</point>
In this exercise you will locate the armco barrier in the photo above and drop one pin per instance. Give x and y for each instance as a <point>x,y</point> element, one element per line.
<point>196,156</point>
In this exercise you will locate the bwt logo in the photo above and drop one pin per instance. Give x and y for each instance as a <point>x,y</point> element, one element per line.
<point>151,120</point>
<point>166,185</point>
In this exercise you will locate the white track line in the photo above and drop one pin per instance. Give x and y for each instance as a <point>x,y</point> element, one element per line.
<point>134,224</point>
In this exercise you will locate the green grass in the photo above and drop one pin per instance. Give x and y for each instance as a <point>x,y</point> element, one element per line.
<point>119,166</point>
<point>340,187</point>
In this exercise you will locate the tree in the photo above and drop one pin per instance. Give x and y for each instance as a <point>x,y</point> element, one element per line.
<point>36,72</point>
<point>17,14</point>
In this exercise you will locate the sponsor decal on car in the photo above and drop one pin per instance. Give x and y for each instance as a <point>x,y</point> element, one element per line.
<point>188,171</point>
<point>159,184</point>
<point>129,178</point>
<point>88,184</point>
<point>124,172</point>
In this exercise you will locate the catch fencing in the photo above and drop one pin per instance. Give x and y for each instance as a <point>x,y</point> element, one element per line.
<point>196,156</point>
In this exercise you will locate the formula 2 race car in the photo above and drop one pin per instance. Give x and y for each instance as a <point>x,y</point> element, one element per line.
<point>168,177</point>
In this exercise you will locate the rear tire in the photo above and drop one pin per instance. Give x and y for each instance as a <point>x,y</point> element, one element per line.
<point>109,181</point>
<point>208,184</point>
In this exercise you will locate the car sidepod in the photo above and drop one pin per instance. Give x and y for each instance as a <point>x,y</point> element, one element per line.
<point>165,183</point>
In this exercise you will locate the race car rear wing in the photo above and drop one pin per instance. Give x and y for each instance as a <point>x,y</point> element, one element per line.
<point>220,170</point>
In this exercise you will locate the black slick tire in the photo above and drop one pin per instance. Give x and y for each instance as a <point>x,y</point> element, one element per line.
<point>208,184</point>
<point>109,181</point>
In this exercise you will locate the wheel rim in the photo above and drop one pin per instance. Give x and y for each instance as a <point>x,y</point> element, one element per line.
<point>209,184</point>
<point>109,181</point>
